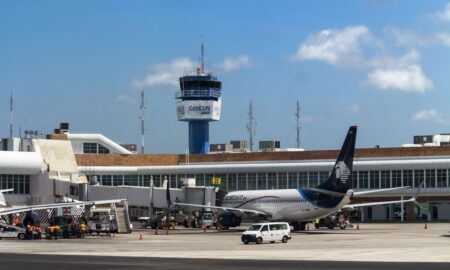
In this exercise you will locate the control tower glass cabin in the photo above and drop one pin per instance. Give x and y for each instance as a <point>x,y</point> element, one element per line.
<point>200,99</point>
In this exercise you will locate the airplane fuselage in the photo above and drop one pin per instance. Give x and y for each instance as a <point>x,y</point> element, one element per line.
<point>287,204</point>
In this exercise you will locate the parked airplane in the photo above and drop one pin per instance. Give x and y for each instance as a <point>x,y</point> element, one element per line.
<point>298,206</point>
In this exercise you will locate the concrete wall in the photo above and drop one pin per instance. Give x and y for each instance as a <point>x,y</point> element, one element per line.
<point>41,189</point>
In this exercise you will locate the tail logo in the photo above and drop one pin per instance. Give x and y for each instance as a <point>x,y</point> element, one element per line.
<point>342,171</point>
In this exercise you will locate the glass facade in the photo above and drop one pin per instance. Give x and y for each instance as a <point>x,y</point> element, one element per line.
<point>303,180</point>
<point>374,179</point>
<point>281,180</point>
<point>94,148</point>
<point>20,183</point>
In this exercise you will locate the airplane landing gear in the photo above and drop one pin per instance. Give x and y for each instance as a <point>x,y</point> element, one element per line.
<point>299,225</point>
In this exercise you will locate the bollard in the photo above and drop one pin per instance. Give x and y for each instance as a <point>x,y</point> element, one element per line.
<point>140,236</point>
<point>204,228</point>
<point>357,226</point>
<point>167,230</point>
<point>156,231</point>
<point>426,227</point>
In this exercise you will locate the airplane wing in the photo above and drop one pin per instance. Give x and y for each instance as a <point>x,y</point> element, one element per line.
<point>359,193</point>
<point>237,211</point>
<point>351,206</point>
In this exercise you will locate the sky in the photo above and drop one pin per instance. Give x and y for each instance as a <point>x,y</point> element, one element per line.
<point>382,65</point>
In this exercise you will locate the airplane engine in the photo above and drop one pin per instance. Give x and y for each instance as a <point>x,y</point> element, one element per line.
<point>227,219</point>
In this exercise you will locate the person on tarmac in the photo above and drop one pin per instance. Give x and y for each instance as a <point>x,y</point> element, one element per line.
<point>29,232</point>
<point>53,232</point>
<point>50,230</point>
<point>83,229</point>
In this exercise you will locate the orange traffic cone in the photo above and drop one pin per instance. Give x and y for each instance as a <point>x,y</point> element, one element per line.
<point>357,226</point>
<point>426,227</point>
<point>140,236</point>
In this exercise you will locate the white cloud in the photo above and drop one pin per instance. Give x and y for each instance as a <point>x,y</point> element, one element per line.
<point>354,108</point>
<point>406,38</point>
<point>339,47</point>
<point>429,115</point>
<point>167,74</point>
<point>164,74</point>
<point>234,63</point>
<point>356,47</point>
<point>407,78</point>
<point>444,15</point>
<point>442,38</point>
<point>125,99</point>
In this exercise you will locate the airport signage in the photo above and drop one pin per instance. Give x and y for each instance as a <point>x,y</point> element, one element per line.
<point>216,181</point>
<point>198,110</point>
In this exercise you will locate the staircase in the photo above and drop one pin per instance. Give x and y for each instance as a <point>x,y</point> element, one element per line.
<point>123,219</point>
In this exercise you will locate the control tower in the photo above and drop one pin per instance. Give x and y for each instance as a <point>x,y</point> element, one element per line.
<point>199,102</point>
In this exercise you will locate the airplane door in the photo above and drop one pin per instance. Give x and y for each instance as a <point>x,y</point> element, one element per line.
<point>265,233</point>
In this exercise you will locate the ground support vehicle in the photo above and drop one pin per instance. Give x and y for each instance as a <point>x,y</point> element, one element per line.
<point>199,220</point>
<point>335,220</point>
<point>267,232</point>
<point>8,231</point>
<point>101,221</point>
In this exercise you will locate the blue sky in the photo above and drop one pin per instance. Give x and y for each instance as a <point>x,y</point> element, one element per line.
<point>381,65</point>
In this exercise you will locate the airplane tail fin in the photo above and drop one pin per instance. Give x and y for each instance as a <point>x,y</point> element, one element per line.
<point>340,179</point>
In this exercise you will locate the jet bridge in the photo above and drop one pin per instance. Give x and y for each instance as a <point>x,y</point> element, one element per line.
<point>140,199</point>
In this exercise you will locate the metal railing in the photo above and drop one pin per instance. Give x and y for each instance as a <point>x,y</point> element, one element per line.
<point>198,93</point>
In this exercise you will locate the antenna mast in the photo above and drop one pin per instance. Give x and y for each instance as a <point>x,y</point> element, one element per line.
<point>11,116</point>
<point>297,121</point>
<point>202,57</point>
<point>142,107</point>
<point>251,124</point>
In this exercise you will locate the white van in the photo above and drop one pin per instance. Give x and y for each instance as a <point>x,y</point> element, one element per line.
<point>267,232</point>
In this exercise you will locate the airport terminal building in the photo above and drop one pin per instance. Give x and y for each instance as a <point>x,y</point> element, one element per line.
<point>96,160</point>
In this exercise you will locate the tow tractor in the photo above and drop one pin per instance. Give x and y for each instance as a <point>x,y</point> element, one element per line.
<point>101,221</point>
<point>338,219</point>
<point>8,231</point>
<point>199,220</point>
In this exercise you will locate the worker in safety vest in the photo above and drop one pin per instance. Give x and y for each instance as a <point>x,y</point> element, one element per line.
<point>29,231</point>
<point>53,231</point>
<point>83,229</point>
<point>50,232</point>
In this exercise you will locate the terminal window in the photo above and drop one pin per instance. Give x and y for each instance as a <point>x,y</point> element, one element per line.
<point>90,148</point>
<point>20,183</point>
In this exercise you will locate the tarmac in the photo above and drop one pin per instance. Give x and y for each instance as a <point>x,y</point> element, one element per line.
<point>393,242</point>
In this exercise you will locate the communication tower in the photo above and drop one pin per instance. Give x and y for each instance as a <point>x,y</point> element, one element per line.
<point>199,102</point>
<point>297,122</point>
